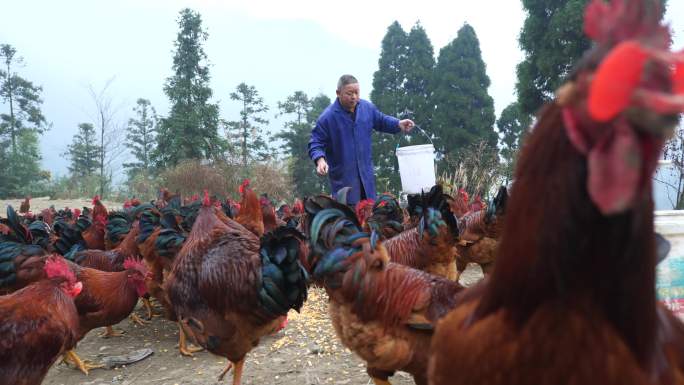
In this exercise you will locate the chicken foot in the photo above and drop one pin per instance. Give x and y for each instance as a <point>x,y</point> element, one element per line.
<point>137,320</point>
<point>83,365</point>
<point>109,332</point>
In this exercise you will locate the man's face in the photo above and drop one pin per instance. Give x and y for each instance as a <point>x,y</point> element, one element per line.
<point>349,96</point>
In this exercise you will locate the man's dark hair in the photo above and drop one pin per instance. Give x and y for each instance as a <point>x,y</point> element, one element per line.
<point>345,80</point>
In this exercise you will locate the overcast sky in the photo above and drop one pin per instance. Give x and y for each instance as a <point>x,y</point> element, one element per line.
<point>277,46</point>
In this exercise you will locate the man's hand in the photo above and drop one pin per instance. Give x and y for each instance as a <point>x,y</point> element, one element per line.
<point>406,125</point>
<point>321,166</point>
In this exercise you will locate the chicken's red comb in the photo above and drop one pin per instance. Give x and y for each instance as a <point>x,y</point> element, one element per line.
<point>464,195</point>
<point>245,183</point>
<point>678,79</point>
<point>56,266</point>
<point>136,264</point>
<point>615,80</point>
<point>361,206</point>
<point>206,202</point>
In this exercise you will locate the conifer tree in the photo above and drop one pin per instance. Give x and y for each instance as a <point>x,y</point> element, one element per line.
<point>464,111</point>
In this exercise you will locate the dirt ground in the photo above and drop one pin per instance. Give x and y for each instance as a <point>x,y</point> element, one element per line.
<point>40,203</point>
<point>306,352</point>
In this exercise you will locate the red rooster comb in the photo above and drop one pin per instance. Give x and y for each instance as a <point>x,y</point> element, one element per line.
<point>135,264</point>
<point>298,206</point>
<point>206,202</point>
<point>245,184</point>
<point>361,208</point>
<point>57,267</point>
<point>464,195</point>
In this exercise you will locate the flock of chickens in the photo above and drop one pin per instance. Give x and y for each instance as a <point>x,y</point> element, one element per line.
<point>569,297</point>
<point>228,273</point>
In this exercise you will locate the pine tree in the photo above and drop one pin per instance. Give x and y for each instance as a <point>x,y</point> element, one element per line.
<point>420,66</point>
<point>22,99</point>
<point>141,138</point>
<point>21,121</point>
<point>83,152</point>
<point>296,138</point>
<point>247,133</point>
<point>191,129</point>
<point>389,96</point>
<point>464,111</point>
<point>23,175</point>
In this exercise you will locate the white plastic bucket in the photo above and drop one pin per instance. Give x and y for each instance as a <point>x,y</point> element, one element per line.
<point>416,167</point>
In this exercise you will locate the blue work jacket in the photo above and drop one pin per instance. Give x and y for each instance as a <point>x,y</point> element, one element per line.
<point>346,145</point>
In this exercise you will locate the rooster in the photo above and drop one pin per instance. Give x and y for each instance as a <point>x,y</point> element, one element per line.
<point>110,260</point>
<point>25,206</point>
<point>107,299</point>
<point>160,239</point>
<point>38,323</point>
<point>99,210</point>
<point>386,218</point>
<point>382,311</point>
<point>430,246</point>
<point>229,289</point>
<point>250,215</point>
<point>479,231</point>
<point>22,258</point>
<point>118,225</point>
<point>363,211</point>
<point>269,218</point>
<point>571,299</point>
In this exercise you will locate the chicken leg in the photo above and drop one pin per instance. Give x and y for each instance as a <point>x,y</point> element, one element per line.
<point>237,373</point>
<point>226,370</point>
<point>83,366</point>
<point>183,344</point>
<point>148,306</point>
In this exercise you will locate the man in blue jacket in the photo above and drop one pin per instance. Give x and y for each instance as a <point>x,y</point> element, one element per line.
<point>341,141</point>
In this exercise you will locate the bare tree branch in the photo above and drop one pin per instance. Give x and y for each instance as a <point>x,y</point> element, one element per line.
<point>111,133</point>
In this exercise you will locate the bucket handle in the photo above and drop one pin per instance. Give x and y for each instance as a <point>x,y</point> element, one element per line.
<point>421,131</point>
